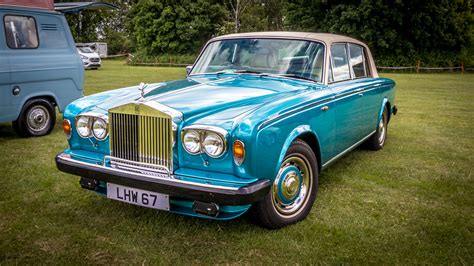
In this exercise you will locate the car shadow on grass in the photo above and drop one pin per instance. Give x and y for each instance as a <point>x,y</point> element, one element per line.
<point>7,132</point>
<point>126,213</point>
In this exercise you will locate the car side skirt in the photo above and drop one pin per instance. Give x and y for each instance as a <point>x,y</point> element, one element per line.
<point>347,150</point>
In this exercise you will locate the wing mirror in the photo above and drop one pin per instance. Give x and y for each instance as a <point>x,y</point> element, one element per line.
<point>188,70</point>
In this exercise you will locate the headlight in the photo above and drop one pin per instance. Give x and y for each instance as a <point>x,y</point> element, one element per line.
<point>198,139</point>
<point>83,126</point>
<point>99,129</point>
<point>84,57</point>
<point>213,144</point>
<point>191,141</point>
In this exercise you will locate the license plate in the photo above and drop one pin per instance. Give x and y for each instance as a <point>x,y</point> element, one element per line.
<point>138,197</point>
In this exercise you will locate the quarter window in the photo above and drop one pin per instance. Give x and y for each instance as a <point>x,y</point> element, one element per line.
<point>339,62</point>
<point>358,62</point>
<point>20,32</point>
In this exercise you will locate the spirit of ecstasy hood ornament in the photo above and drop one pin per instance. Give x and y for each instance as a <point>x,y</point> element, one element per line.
<point>142,88</point>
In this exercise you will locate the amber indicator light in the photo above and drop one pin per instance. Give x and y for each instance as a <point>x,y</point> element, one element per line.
<point>239,150</point>
<point>67,127</point>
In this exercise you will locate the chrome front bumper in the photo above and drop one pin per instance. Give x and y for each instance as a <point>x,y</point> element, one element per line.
<point>170,185</point>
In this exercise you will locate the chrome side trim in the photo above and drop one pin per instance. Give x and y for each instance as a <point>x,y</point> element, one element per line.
<point>347,150</point>
<point>96,166</point>
<point>296,110</point>
<point>334,97</point>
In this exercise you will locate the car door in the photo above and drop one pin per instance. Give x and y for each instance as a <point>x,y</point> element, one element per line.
<point>5,93</point>
<point>368,87</point>
<point>348,98</point>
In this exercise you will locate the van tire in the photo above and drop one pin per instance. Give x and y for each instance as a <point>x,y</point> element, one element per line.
<point>37,118</point>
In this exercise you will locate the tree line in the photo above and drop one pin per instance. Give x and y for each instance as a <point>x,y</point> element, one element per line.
<point>399,32</point>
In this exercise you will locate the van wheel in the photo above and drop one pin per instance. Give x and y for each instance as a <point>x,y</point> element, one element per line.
<point>37,118</point>
<point>293,192</point>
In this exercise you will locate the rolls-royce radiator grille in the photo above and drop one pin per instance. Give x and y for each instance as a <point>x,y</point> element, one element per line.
<point>144,137</point>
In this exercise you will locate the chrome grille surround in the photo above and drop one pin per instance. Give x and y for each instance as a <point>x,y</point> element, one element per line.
<point>141,139</point>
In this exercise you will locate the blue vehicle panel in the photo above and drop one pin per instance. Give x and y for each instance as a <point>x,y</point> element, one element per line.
<point>40,68</point>
<point>251,132</point>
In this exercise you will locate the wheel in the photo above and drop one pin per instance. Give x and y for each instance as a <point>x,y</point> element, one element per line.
<point>377,140</point>
<point>37,118</point>
<point>293,192</point>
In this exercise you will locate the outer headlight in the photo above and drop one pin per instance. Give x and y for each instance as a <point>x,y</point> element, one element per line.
<point>99,129</point>
<point>213,144</point>
<point>83,126</point>
<point>191,141</point>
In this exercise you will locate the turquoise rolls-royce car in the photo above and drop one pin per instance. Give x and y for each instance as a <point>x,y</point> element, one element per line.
<point>250,128</point>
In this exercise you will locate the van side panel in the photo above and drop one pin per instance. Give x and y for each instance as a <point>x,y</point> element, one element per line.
<point>5,93</point>
<point>54,69</point>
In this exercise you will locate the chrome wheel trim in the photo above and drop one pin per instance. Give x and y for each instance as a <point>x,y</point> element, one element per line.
<point>382,130</point>
<point>296,205</point>
<point>37,118</point>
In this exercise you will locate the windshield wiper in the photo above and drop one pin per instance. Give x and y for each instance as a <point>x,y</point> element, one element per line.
<point>296,77</point>
<point>245,71</point>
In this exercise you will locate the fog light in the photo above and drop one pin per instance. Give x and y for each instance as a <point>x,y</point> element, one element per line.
<point>67,128</point>
<point>239,152</point>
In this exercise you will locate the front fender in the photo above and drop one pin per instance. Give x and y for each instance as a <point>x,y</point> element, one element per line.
<point>294,134</point>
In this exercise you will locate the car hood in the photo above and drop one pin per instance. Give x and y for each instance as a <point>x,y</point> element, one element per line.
<point>89,54</point>
<point>216,97</point>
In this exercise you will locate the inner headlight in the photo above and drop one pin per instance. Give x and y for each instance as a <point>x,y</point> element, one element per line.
<point>99,129</point>
<point>191,141</point>
<point>213,144</point>
<point>83,126</point>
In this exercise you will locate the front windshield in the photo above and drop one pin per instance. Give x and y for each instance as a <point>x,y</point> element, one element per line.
<point>85,49</point>
<point>292,58</point>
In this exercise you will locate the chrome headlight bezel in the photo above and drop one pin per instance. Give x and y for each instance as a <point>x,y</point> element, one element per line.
<point>216,136</point>
<point>205,131</point>
<point>83,121</point>
<point>91,119</point>
<point>103,124</point>
<point>197,136</point>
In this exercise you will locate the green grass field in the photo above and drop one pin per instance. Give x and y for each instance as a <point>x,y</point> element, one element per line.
<point>412,202</point>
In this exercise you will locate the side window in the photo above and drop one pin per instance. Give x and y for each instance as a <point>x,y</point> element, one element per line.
<point>358,62</point>
<point>20,32</point>
<point>330,76</point>
<point>339,62</point>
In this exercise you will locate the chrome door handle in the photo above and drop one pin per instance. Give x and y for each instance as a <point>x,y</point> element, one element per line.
<point>361,94</point>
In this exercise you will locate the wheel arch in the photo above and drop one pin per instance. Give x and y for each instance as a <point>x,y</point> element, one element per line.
<point>385,104</point>
<point>49,97</point>
<point>305,134</point>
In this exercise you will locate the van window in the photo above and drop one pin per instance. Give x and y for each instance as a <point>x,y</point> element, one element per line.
<point>358,62</point>
<point>339,62</point>
<point>20,32</point>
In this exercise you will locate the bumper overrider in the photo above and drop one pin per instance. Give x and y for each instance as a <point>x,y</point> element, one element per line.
<point>172,186</point>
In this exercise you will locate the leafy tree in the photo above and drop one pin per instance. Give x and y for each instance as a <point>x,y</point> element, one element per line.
<point>161,26</point>
<point>399,28</point>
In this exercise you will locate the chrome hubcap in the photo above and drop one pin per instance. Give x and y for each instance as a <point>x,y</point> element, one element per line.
<point>382,130</point>
<point>37,118</point>
<point>291,188</point>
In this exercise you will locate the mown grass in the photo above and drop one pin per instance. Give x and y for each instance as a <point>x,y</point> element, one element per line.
<point>412,202</point>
